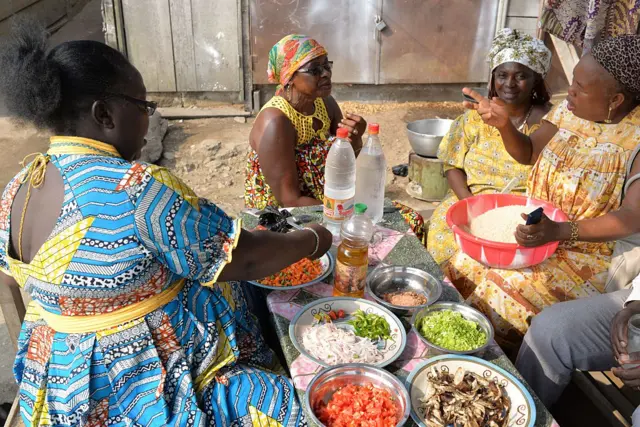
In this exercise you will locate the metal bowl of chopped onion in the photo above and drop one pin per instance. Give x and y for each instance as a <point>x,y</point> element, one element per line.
<point>468,313</point>
<point>389,282</point>
<point>329,380</point>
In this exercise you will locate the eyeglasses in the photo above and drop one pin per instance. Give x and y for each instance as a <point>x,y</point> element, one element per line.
<point>318,69</point>
<point>148,107</point>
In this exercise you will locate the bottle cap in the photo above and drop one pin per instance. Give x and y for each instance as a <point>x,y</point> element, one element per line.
<point>374,128</point>
<point>342,133</point>
<point>361,208</point>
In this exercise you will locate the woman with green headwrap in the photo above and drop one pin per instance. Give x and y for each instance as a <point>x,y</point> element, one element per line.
<point>292,134</point>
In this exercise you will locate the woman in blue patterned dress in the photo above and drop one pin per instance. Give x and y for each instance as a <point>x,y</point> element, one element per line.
<point>134,321</point>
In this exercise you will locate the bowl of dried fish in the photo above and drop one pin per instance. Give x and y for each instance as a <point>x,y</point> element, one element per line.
<point>468,391</point>
<point>453,328</point>
<point>403,290</point>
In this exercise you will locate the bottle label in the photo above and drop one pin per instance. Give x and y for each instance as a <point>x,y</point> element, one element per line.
<point>349,279</point>
<point>336,209</point>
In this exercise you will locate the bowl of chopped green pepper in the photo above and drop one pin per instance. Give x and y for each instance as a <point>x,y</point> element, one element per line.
<point>453,328</point>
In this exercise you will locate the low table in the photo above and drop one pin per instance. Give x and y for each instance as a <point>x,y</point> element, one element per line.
<point>398,246</point>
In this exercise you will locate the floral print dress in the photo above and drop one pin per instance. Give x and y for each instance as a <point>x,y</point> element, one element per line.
<point>477,149</point>
<point>312,149</point>
<point>582,171</point>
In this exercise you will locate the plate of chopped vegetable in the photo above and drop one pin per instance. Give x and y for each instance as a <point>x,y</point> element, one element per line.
<point>357,395</point>
<point>451,327</point>
<point>303,273</point>
<point>465,390</point>
<point>339,330</point>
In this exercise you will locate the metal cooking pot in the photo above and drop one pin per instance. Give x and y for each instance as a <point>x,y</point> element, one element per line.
<point>425,135</point>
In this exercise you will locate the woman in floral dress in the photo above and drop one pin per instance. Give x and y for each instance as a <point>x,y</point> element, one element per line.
<point>472,152</point>
<point>292,134</point>
<point>579,157</point>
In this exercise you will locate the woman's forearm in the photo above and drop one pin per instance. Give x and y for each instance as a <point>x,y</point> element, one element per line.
<point>517,144</point>
<point>457,180</point>
<point>262,253</point>
<point>357,145</point>
<point>606,228</point>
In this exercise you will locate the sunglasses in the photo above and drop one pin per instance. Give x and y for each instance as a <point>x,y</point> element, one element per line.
<point>318,69</point>
<point>148,107</point>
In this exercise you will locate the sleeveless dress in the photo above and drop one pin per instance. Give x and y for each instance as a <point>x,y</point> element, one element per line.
<point>311,149</point>
<point>128,325</point>
<point>311,152</point>
<point>582,171</point>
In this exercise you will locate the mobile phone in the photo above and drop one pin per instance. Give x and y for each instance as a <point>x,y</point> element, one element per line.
<point>469,98</point>
<point>535,216</point>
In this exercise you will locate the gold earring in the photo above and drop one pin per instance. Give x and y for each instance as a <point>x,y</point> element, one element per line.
<point>608,116</point>
<point>289,95</point>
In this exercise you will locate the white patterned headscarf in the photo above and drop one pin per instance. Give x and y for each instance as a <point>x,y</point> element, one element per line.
<point>514,46</point>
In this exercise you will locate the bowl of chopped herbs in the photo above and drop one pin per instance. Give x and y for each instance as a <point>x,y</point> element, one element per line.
<point>453,328</point>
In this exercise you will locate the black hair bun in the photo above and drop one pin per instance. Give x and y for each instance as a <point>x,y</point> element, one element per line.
<point>30,81</point>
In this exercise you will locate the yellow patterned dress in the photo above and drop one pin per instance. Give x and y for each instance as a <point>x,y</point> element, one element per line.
<point>582,171</point>
<point>312,149</point>
<point>476,148</point>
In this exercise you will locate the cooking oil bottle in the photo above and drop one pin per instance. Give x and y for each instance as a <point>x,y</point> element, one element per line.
<point>353,254</point>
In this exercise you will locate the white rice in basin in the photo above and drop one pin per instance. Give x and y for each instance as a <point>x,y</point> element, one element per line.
<point>499,224</point>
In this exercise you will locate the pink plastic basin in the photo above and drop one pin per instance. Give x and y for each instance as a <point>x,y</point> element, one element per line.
<point>495,254</point>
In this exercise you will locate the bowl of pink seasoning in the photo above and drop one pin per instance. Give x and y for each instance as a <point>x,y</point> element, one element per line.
<point>403,290</point>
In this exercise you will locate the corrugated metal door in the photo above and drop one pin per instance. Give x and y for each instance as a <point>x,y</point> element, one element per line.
<point>425,41</point>
<point>436,41</point>
<point>345,27</point>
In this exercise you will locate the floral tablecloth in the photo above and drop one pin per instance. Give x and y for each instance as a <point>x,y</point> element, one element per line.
<point>394,244</point>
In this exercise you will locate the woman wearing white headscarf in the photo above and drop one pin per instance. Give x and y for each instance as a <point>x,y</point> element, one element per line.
<point>474,156</point>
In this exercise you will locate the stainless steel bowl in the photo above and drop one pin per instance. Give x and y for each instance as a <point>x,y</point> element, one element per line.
<point>329,380</point>
<point>467,312</point>
<point>396,278</point>
<point>425,135</point>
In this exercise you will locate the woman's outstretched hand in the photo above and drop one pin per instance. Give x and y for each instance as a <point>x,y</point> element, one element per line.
<point>493,111</point>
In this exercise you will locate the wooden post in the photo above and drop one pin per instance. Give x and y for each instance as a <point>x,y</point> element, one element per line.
<point>540,32</point>
<point>568,56</point>
<point>113,25</point>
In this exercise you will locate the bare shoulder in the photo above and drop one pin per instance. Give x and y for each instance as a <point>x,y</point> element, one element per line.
<point>271,123</point>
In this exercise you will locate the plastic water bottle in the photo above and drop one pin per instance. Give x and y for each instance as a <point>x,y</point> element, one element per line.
<point>371,175</point>
<point>339,182</point>
<point>352,261</point>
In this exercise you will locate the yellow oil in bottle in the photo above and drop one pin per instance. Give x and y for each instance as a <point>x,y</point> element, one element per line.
<point>350,273</point>
<point>352,261</point>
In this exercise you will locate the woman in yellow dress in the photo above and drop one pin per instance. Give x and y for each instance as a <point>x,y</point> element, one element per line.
<point>580,157</point>
<point>474,157</point>
<point>291,136</point>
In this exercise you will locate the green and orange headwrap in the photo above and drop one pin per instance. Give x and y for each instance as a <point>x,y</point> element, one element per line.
<point>289,55</point>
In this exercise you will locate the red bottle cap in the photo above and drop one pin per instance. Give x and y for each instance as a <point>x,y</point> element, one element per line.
<point>342,133</point>
<point>374,128</point>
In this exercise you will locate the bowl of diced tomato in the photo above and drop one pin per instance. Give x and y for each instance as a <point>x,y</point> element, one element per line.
<point>357,395</point>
